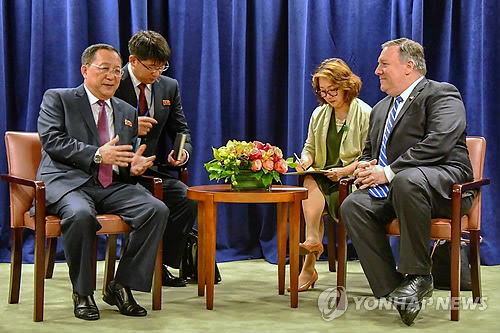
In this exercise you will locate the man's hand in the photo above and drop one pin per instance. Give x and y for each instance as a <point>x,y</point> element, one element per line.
<point>146,124</point>
<point>116,155</point>
<point>174,162</point>
<point>139,163</point>
<point>369,174</point>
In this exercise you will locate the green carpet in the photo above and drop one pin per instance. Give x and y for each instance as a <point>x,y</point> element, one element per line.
<point>247,300</point>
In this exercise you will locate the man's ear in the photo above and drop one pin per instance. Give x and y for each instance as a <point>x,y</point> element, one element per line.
<point>410,67</point>
<point>132,59</point>
<point>84,70</point>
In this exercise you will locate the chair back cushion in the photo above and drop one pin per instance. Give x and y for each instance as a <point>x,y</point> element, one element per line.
<point>477,151</point>
<point>23,157</point>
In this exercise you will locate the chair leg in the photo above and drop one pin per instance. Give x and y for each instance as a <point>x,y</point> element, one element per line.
<point>455,278</point>
<point>109,267</point>
<point>39,275</point>
<point>475,263</point>
<point>15,264</point>
<point>50,257</point>
<point>342,260</point>
<point>157,281</point>
<point>332,248</point>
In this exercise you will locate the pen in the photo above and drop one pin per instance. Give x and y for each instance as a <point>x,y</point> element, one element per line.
<point>299,160</point>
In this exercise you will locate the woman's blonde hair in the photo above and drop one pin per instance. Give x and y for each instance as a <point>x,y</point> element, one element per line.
<point>340,75</point>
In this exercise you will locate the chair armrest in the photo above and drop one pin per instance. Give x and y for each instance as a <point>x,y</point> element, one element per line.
<point>471,185</point>
<point>155,184</point>
<point>39,199</point>
<point>22,181</point>
<point>182,171</point>
<point>344,188</point>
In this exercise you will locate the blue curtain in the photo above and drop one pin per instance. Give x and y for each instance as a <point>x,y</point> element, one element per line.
<point>244,69</point>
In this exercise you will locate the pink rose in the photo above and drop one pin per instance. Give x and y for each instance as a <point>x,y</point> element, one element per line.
<point>268,165</point>
<point>255,154</point>
<point>281,166</point>
<point>278,154</point>
<point>259,144</point>
<point>256,165</point>
<point>267,147</point>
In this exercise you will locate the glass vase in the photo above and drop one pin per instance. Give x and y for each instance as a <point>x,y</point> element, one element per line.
<point>245,181</point>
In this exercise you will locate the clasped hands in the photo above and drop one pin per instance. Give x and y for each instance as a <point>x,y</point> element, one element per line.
<point>123,155</point>
<point>369,174</point>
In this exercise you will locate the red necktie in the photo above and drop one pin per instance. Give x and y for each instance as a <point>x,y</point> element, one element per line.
<point>143,104</point>
<point>105,170</point>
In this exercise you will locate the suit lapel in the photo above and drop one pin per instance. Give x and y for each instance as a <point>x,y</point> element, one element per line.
<point>158,100</point>
<point>127,88</point>
<point>416,91</point>
<point>119,120</point>
<point>86,110</point>
<point>385,106</point>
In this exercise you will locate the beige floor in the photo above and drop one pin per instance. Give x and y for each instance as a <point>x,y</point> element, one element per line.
<point>246,301</point>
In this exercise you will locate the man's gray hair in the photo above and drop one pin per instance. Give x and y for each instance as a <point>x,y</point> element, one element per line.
<point>409,50</point>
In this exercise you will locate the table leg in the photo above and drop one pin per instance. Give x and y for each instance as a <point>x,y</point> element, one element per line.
<point>294,222</point>
<point>201,248</point>
<point>210,232</point>
<point>281,228</point>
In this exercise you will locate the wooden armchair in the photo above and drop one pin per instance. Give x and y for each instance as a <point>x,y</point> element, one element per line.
<point>448,229</point>
<point>23,156</point>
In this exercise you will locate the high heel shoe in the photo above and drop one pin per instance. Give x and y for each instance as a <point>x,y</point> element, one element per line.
<point>308,284</point>
<point>315,248</point>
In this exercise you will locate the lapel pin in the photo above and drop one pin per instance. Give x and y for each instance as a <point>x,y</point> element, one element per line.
<point>128,123</point>
<point>166,102</point>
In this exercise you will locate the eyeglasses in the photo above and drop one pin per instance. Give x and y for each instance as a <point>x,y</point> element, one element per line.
<point>118,72</point>
<point>160,69</point>
<point>329,92</point>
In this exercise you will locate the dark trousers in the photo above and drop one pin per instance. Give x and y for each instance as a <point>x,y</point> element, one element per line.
<point>183,213</point>
<point>138,208</point>
<point>414,202</point>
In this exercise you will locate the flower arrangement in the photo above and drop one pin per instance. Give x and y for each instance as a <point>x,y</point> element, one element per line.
<point>265,162</point>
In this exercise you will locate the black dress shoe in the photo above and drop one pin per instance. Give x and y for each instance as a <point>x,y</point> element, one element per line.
<point>168,279</point>
<point>85,307</point>
<point>408,312</point>
<point>412,290</point>
<point>121,296</point>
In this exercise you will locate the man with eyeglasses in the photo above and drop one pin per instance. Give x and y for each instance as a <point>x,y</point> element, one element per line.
<point>161,117</point>
<point>87,137</point>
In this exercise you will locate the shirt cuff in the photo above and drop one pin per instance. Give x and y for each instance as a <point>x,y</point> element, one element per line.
<point>389,174</point>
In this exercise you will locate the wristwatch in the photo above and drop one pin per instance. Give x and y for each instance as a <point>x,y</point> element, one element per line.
<point>97,157</point>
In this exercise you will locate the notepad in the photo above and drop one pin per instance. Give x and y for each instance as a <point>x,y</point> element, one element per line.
<point>307,172</point>
<point>178,147</point>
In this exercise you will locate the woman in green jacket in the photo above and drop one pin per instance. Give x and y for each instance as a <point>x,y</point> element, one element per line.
<point>335,140</point>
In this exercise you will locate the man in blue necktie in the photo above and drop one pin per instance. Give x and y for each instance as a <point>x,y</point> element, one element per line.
<point>414,152</point>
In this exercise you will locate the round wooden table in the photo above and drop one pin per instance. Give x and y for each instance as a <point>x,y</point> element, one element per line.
<point>284,196</point>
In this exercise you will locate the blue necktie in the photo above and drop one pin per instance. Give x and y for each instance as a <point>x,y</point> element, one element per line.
<point>381,191</point>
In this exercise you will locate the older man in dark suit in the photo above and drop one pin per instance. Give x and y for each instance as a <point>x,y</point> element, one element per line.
<point>415,151</point>
<point>87,137</point>
<point>161,118</point>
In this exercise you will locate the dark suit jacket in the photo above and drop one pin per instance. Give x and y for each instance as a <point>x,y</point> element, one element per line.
<point>167,111</point>
<point>429,133</point>
<point>69,138</point>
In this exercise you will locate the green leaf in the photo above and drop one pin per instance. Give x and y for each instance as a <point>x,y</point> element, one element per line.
<point>267,179</point>
<point>276,176</point>
<point>258,174</point>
